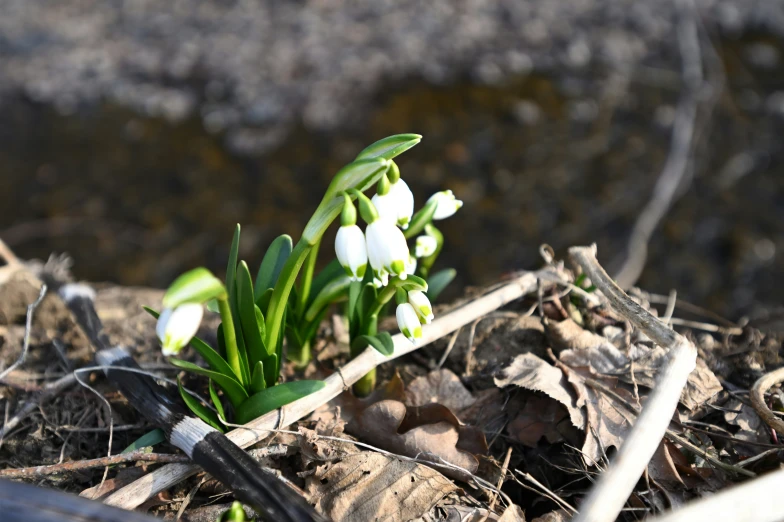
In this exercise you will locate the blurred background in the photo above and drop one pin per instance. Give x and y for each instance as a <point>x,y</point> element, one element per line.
<point>135,133</point>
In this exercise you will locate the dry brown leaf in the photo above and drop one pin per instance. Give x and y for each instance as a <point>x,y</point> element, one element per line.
<point>371,486</point>
<point>439,386</point>
<point>579,347</point>
<point>429,432</point>
<point>457,513</point>
<point>534,416</point>
<point>558,515</point>
<point>530,372</point>
<point>752,428</point>
<point>513,514</point>
<point>608,423</point>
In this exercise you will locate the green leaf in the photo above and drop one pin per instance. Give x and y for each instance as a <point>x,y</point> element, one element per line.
<point>233,389</point>
<point>247,312</point>
<point>194,286</point>
<point>217,402</point>
<point>335,289</point>
<point>152,312</point>
<point>257,382</point>
<point>412,282</point>
<point>275,397</point>
<point>260,324</point>
<point>330,272</point>
<point>361,175</point>
<point>390,147</point>
<point>382,342</point>
<point>264,299</point>
<point>212,306</point>
<point>276,256</point>
<point>203,412</point>
<point>271,370</point>
<point>222,344</point>
<point>438,281</point>
<point>231,268</point>
<point>421,219</point>
<point>213,358</point>
<point>151,438</point>
<point>354,291</point>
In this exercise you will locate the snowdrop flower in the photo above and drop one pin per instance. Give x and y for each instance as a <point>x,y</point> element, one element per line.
<point>447,204</point>
<point>387,249</point>
<point>351,251</point>
<point>380,279</point>
<point>408,322</point>
<point>394,200</point>
<point>350,246</point>
<point>425,246</point>
<point>422,306</point>
<point>176,327</point>
<point>404,201</point>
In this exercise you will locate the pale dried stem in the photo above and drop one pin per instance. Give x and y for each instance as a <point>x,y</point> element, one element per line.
<point>607,498</point>
<point>757,397</point>
<point>145,488</point>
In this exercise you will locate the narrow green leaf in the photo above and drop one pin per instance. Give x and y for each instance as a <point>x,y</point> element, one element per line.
<point>152,312</point>
<point>354,291</point>
<point>222,344</point>
<point>213,358</point>
<point>257,382</point>
<point>271,369</point>
<point>275,397</point>
<point>332,292</point>
<point>231,268</point>
<point>264,299</point>
<point>390,147</point>
<point>421,219</point>
<point>151,438</point>
<point>438,281</point>
<point>233,389</point>
<point>260,324</point>
<point>330,272</point>
<point>216,401</point>
<point>203,412</point>
<point>311,327</point>
<point>194,286</point>
<point>412,282</point>
<point>382,342</point>
<point>276,256</point>
<point>247,312</point>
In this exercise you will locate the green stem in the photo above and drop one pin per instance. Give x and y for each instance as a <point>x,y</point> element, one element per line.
<point>367,383</point>
<point>307,278</point>
<point>280,294</point>
<point>230,337</point>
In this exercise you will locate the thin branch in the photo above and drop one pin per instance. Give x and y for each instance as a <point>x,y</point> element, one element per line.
<point>134,456</point>
<point>28,331</point>
<point>146,487</point>
<point>607,498</point>
<point>757,396</point>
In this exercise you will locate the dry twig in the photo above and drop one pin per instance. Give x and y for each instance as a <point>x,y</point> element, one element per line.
<point>609,495</point>
<point>134,456</point>
<point>757,397</point>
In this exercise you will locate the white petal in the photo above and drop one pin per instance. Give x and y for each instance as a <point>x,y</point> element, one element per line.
<point>421,305</point>
<point>386,206</point>
<point>182,325</point>
<point>425,246</point>
<point>411,266</point>
<point>408,322</point>
<point>447,204</point>
<point>351,250</point>
<point>163,319</point>
<point>404,201</point>
<point>387,248</point>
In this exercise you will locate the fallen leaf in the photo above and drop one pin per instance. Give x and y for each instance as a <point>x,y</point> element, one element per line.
<point>513,514</point>
<point>429,432</point>
<point>534,416</point>
<point>457,513</point>
<point>439,386</point>
<point>558,515</point>
<point>579,347</point>
<point>530,372</point>
<point>371,486</point>
<point>751,427</point>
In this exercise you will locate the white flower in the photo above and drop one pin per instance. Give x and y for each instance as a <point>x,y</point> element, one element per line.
<point>397,205</point>
<point>421,305</point>
<point>408,322</point>
<point>447,204</point>
<point>411,266</point>
<point>176,327</point>
<point>386,248</point>
<point>351,250</point>
<point>380,278</point>
<point>425,246</point>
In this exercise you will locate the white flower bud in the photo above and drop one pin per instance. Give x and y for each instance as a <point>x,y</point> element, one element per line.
<point>447,204</point>
<point>351,250</point>
<point>425,246</point>
<point>411,266</point>
<point>408,322</point>
<point>176,327</point>
<point>397,205</point>
<point>387,249</point>
<point>421,305</point>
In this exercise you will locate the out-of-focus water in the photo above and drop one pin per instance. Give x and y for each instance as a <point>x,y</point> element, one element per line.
<point>552,159</point>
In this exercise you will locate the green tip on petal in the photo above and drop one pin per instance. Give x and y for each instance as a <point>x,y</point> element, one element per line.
<point>398,267</point>
<point>195,286</point>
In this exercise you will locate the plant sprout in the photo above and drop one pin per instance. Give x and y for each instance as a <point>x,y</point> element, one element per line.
<point>288,300</point>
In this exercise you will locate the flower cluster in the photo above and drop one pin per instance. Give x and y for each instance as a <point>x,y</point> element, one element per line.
<point>384,245</point>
